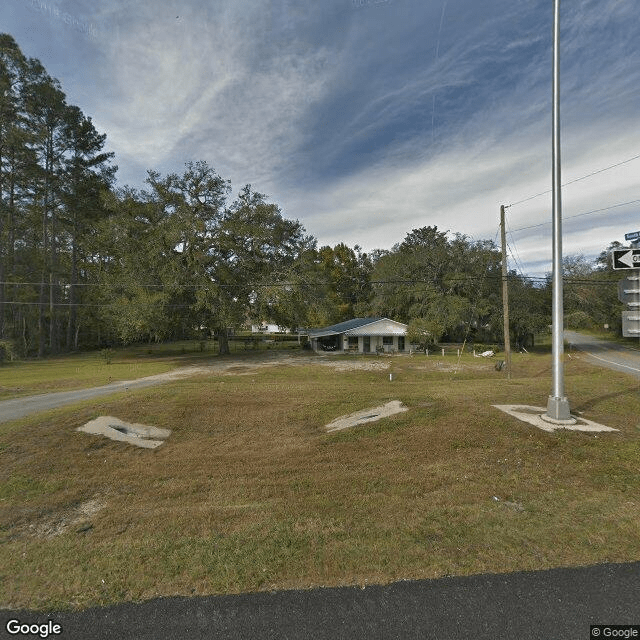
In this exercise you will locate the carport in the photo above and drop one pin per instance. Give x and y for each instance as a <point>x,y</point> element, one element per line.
<point>360,335</point>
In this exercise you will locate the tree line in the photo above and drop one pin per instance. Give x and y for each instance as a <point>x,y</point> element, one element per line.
<point>84,263</point>
<point>53,171</point>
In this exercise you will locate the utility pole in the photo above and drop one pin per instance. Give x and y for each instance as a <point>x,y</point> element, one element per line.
<point>505,295</point>
<point>558,404</point>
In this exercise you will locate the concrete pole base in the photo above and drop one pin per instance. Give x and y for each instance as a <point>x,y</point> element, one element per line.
<point>558,411</point>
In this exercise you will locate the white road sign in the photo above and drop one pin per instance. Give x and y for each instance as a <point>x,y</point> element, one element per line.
<point>626,258</point>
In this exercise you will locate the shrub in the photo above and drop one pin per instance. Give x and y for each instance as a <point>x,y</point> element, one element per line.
<point>578,320</point>
<point>424,332</point>
<point>8,350</point>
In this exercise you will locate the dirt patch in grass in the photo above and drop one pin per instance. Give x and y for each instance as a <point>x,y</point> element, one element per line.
<point>75,519</point>
<point>92,369</point>
<point>251,494</point>
<point>454,367</point>
<point>86,370</point>
<point>359,364</point>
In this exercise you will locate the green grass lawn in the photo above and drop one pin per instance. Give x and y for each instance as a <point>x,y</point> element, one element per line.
<point>96,368</point>
<point>74,372</point>
<point>249,493</point>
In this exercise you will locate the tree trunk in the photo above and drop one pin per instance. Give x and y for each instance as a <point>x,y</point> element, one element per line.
<point>72,294</point>
<point>53,276</point>
<point>43,291</point>
<point>2,252</point>
<point>223,342</point>
<point>25,345</point>
<point>2,291</point>
<point>10,271</point>
<point>53,320</point>
<point>41,307</point>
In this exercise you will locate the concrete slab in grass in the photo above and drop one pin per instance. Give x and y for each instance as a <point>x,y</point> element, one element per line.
<point>366,415</point>
<point>140,435</point>
<point>536,417</point>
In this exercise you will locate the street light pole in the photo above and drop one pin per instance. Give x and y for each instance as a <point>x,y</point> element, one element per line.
<point>558,404</point>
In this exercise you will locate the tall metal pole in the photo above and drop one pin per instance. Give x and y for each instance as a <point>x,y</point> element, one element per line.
<point>558,405</point>
<point>505,294</point>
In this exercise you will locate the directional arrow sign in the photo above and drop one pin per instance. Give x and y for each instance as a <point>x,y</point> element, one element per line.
<point>626,258</point>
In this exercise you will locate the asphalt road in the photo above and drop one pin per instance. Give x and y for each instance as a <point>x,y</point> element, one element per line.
<point>20,407</point>
<point>26,405</point>
<point>558,604</point>
<point>606,354</point>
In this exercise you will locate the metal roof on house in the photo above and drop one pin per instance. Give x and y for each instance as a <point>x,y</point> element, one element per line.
<point>341,327</point>
<point>346,327</point>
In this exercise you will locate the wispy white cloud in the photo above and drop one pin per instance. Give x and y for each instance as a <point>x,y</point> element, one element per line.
<point>365,123</point>
<point>500,154</point>
<point>463,189</point>
<point>187,86</point>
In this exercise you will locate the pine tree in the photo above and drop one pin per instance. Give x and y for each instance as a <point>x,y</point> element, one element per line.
<point>86,174</point>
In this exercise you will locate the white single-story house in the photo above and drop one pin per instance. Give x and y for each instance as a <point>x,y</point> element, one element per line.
<point>361,335</point>
<point>268,327</point>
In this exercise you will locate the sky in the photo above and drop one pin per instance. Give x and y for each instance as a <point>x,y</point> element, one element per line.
<point>365,119</point>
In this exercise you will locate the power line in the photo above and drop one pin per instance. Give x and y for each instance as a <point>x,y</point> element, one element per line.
<point>212,286</point>
<point>578,215</point>
<point>518,261</point>
<point>83,304</point>
<point>249,285</point>
<point>588,175</point>
<point>465,278</point>
<point>515,260</point>
<point>531,280</point>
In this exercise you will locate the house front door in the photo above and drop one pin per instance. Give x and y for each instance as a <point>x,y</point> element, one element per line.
<point>366,344</point>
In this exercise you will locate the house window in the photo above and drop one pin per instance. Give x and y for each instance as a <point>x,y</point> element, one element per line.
<point>387,341</point>
<point>353,343</point>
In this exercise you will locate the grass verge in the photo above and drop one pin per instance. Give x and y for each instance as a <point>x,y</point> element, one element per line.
<point>96,368</point>
<point>249,493</point>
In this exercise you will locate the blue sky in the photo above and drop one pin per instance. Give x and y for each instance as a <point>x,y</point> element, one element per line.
<point>365,119</point>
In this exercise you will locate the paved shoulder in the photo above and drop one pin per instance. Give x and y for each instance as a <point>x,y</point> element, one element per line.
<point>606,354</point>
<point>541,605</point>
<point>26,405</point>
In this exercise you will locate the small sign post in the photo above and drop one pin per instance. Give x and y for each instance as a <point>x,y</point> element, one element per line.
<point>629,293</point>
